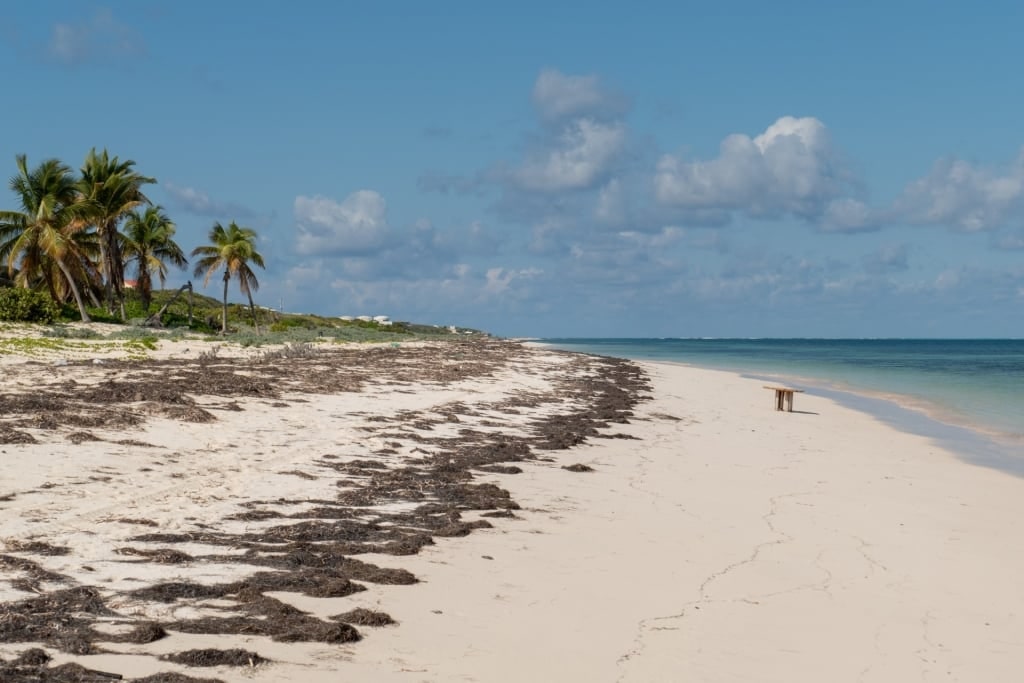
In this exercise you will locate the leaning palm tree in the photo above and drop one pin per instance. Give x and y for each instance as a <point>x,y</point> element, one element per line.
<point>148,243</point>
<point>42,234</point>
<point>232,249</point>
<point>114,189</point>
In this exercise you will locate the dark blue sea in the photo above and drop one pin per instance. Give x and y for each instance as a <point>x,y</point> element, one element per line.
<point>967,393</point>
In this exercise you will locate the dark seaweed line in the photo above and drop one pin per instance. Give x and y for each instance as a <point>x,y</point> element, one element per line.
<point>313,556</point>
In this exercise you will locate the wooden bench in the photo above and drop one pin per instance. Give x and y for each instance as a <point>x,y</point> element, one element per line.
<point>784,397</point>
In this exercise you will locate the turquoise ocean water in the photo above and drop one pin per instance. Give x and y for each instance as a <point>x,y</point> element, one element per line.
<point>968,394</point>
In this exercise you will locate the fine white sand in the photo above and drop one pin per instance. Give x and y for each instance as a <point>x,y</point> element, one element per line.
<point>729,542</point>
<point>733,543</point>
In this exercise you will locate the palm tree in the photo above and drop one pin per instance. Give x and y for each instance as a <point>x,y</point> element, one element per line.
<point>232,249</point>
<point>42,234</point>
<point>149,243</point>
<point>114,189</point>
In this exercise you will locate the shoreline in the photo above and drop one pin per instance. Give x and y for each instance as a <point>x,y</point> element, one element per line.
<point>974,441</point>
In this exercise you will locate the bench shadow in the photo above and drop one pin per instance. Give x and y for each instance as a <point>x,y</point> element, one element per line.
<point>805,412</point>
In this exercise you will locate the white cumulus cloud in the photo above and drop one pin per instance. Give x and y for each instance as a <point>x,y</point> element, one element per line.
<point>964,196</point>
<point>848,215</point>
<point>557,95</point>
<point>499,279</point>
<point>790,168</point>
<point>580,157</point>
<point>356,225</point>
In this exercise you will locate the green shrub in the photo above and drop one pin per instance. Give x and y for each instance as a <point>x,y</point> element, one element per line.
<point>293,322</point>
<point>27,306</point>
<point>61,331</point>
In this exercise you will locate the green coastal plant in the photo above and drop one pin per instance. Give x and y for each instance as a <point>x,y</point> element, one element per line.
<point>61,331</point>
<point>27,306</point>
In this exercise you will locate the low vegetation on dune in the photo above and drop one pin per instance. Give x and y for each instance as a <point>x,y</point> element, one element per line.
<point>59,326</point>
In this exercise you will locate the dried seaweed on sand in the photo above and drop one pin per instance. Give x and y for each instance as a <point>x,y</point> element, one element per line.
<point>365,617</point>
<point>214,657</point>
<point>394,504</point>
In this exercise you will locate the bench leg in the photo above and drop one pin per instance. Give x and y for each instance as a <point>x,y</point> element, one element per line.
<point>778,400</point>
<point>789,401</point>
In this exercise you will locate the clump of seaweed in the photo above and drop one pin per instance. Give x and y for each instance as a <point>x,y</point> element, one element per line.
<point>175,678</point>
<point>501,469</point>
<point>266,616</point>
<point>159,555</point>
<point>214,657</point>
<point>578,467</point>
<point>365,617</point>
<point>146,632</point>
<point>11,435</point>
<point>35,547</point>
<point>81,437</point>
<point>61,619</point>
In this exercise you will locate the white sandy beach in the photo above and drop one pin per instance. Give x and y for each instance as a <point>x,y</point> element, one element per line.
<point>727,543</point>
<point>735,544</point>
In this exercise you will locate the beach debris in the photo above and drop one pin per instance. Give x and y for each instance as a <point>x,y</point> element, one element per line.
<point>174,677</point>
<point>34,656</point>
<point>146,632</point>
<point>578,467</point>
<point>35,547</point>
<point>500,513</point>
<point>393,505</point>
<point>214,657</point>
<point>21,671</point>
<point>131,520</point>
<point>365,617</point>
<point>134,442</point>
<point>81,437</point>
<point>159,555</point>
<point>501,469</point>
<point>12,435</point>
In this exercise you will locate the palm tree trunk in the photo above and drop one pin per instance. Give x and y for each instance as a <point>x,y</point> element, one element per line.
<point>145,289</point>
<point>74,291</point>
<point>105,271</point>
<point>110,254</point>
<point>224,311</point>
<point>155,318</point>
<point>252,309</point>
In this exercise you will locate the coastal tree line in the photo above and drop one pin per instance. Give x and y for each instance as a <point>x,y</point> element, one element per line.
<point>74,236</point>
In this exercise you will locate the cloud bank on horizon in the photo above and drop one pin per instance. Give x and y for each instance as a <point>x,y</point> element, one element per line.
<point>554,200</point>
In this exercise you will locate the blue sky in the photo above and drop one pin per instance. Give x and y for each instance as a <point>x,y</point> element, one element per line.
<point>565,169</point>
